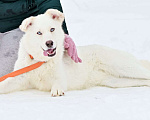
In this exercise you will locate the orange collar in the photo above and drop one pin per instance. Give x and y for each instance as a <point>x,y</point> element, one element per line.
<point>23,70</point>
<point>31,56</point>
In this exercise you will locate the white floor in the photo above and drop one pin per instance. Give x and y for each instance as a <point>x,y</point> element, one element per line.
<point>92,104</point>
<point>120,24</point>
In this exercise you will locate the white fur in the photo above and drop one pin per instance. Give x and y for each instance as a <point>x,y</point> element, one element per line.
<point>101,66</point>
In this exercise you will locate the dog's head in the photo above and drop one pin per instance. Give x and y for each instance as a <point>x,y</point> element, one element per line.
<point>44,36</point>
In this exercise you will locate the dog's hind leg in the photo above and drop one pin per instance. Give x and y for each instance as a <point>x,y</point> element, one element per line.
<point>13,84</point>
<point>124,82</point>
<point>145,63</point>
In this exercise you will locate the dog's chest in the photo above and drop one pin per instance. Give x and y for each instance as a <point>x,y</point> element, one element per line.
<point>43,77</point>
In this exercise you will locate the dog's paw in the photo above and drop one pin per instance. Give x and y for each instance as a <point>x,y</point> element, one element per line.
<point>57,91</point>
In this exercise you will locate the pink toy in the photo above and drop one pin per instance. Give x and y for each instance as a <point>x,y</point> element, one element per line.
<point>71,49</point>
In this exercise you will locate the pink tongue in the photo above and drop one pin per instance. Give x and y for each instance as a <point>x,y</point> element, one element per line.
<point>50,51</point>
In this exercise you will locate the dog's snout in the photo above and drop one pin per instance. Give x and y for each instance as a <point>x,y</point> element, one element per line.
<point>49,43</point>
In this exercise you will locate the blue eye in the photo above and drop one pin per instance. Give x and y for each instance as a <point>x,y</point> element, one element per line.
<point>52,29</point>
<point>39,33</point>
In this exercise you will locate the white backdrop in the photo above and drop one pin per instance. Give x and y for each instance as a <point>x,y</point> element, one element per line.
<point>120,24</point>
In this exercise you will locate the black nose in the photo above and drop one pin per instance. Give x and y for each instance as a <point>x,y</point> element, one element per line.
<point>49,43</point>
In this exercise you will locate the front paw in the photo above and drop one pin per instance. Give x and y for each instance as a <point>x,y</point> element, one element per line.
<point>57,91</point>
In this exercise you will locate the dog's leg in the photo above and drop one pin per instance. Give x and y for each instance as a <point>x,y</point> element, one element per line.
<point>59,84</point>
<point>124,82</point>
<point>145,63</point>
<point>57,89</point>
<point>13,84</point>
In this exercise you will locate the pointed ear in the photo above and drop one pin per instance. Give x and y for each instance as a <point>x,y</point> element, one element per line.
<point>26,24</point>
<point>55,14</point>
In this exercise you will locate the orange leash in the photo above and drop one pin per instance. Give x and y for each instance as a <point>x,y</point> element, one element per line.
<point>21,71</point>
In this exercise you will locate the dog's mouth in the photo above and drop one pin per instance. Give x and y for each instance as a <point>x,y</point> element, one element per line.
<point>50,52</point>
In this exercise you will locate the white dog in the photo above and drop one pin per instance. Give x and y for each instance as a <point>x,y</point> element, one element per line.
<point>101,66</point>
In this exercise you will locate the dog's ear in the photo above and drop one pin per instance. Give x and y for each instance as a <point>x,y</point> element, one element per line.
<point>26,24</point>
<point>55,14</point>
